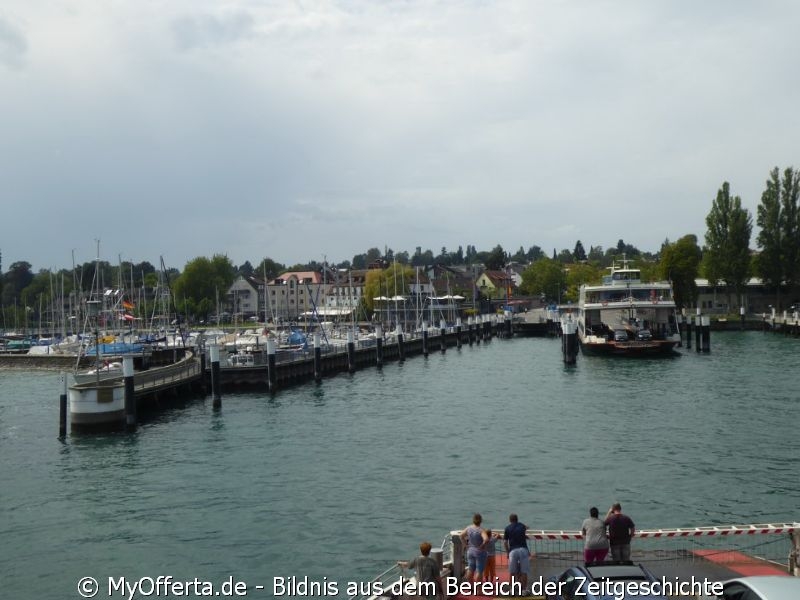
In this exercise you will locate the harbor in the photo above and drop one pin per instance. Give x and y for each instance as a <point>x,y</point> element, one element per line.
<point>249,360</point>
<point>218,493</point>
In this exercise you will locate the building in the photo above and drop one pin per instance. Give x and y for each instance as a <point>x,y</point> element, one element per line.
<point>345,293</point>
<point>296,296</point>
<point>244,299</point>
<point>495,285</point>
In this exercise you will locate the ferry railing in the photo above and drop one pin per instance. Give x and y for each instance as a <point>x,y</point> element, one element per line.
<point>385,584</point>
<point>772,543</point>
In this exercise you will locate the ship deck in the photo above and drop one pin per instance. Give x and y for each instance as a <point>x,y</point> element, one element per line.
<point>680,566</point>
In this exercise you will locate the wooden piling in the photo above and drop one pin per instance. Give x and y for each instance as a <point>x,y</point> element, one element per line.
<point>401,351</point>
<point>203,370</point>
<point>442,333</point>
<point>351,352</point>
<point>317,357</point>
<point>688,328</point>
<point>569,341</point>
<point>425,339</point>
<point>705,323</point>
<point>379,345</point>
<point>130,395</point>
<point>62,408</point>
<point>216,384</point>
<point>458,332</point>
<point>698,333</point>
<point>272,373</point>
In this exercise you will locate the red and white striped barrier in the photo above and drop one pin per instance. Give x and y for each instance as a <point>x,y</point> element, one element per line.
<point>679,532</point>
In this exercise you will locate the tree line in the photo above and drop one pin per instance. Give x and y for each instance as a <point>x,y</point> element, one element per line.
<point>724,259</point>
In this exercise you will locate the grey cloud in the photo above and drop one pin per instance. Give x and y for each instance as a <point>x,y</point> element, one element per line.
<point>200,31</point>
<point>13,45</point>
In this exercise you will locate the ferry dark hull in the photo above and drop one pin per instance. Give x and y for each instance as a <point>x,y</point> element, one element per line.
<point>631,348</point>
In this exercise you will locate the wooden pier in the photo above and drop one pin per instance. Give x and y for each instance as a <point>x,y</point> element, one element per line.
<point>299,367</point>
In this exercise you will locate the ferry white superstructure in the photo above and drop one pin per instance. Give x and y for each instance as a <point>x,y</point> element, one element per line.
<point>625,316</point>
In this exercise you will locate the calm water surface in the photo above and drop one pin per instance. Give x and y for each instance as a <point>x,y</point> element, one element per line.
<point>339,480</point>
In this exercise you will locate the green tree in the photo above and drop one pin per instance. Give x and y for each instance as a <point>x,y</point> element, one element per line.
<point>387,283</point>
<point>204,279</point>
<point>519,256</point>
<point>576,276</point>
<point>728,240</point>
<point>269,268</point>
<point>246,269</point>
<point>18,277</point>
<point>545,277</point>
<point>565,257</point>
<point>496,259</point>
<point>777,216</point>
<point>534,253</point>
<point>579,254</point>
<point>680,264</point>
<point>596,255</point>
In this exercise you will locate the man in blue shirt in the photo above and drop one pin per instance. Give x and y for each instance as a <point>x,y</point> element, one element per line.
<point>515,541</point>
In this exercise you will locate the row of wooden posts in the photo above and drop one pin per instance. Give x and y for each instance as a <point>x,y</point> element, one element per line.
<point>479,328</point>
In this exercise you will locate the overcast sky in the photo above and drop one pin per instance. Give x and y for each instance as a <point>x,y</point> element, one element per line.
<point>310,129</point>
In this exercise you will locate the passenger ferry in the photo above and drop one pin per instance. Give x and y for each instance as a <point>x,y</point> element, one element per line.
<point>703,563</point>
<point>625,316</point>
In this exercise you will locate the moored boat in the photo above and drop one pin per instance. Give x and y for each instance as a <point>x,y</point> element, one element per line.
<point>625,316</point>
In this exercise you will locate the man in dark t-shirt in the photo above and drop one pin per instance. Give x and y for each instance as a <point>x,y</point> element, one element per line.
<point>620,532</point>
<point>515,540</point>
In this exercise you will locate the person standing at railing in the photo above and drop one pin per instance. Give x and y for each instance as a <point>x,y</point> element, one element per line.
<point>474,538</point>
<point>427,573</point>
<point>620,531</point>
<point>515,540</point>
<point>595,541</point>
<point>489,573</point>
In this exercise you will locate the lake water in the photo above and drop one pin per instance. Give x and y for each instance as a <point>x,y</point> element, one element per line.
<point>341,479</point>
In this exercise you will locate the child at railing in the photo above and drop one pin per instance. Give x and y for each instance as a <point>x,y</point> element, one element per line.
<point>490,546</point>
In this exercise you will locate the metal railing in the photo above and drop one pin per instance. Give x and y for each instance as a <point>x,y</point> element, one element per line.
<point>184,370</point>
<point>381,584</point>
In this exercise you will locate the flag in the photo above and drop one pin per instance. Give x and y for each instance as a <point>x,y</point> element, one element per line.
<point>127,305</point>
